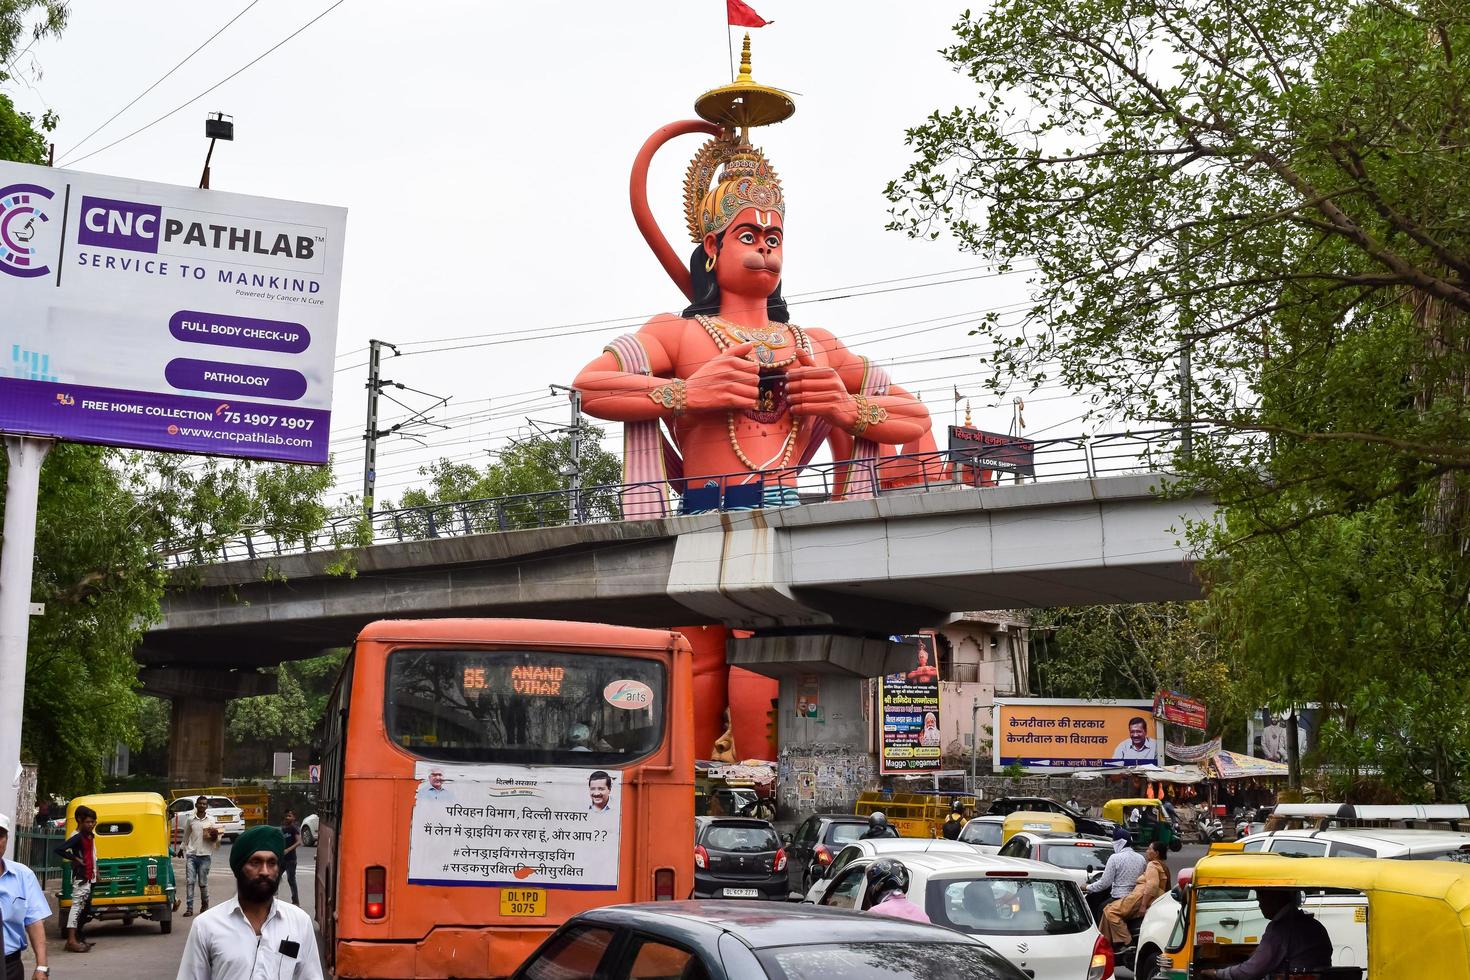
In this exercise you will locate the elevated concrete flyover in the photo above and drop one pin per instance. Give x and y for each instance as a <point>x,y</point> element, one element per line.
<point>868,568</point>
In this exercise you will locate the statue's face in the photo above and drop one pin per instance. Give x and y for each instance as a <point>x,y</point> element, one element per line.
<point>750,259</point>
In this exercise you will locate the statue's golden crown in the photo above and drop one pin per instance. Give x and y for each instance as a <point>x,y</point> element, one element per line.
<point>747,181</point>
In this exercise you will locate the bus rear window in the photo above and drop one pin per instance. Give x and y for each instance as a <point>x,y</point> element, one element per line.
<point>526,707</point>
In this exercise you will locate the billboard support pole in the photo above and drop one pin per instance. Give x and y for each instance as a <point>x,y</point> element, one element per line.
<point>17,561</point>
<point>974,741</point>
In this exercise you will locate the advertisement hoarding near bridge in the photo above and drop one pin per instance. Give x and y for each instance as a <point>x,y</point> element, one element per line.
<point>1054,734</point>
<point>992,452</point>
<point>908,704</point>
<point>166,318</point>
<point>1173,708</point>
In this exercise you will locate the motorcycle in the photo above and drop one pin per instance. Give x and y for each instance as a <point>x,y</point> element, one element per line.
<point>1211,829</point>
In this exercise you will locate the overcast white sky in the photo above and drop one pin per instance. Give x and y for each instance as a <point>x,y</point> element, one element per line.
<point>482,150</point>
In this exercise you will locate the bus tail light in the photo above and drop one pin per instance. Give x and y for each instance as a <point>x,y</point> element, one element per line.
<point>663,885</point>
<point>374,891</point>
<point>701,857</point>
<point>778,863</point>
<point>823,855</point>
<point>1102,960</point>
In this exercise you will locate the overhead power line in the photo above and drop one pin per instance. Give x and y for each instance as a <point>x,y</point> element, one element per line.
<point>76,146</point>
<point>184,105</point>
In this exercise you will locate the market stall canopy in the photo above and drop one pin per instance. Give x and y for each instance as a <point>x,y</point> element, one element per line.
<point>1235,765</point>
<point>1156,774</point>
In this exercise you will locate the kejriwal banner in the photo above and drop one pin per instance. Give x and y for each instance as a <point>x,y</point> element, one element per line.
<point>167,318</point>
<point>1051,734</point>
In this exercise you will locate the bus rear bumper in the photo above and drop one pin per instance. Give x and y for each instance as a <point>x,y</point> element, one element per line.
<point>444,954</point>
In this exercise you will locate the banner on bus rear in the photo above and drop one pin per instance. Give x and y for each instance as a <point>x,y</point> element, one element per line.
<point>514,825</point>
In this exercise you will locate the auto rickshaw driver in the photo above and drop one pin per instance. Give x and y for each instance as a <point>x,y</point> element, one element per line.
<point>1293,941</point>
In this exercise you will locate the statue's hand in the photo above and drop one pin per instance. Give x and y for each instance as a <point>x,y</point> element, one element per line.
<point>819,391</point>
<point>727,381</point>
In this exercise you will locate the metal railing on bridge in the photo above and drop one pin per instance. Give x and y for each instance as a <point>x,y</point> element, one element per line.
<point>1065,458</point>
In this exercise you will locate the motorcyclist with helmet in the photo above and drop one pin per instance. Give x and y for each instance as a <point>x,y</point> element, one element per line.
<point>888,885</point>
<point>878,826</point>
<point>955,822</point>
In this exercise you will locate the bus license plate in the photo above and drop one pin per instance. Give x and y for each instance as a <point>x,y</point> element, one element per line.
<point>741,893</point>
<point>522,901</point>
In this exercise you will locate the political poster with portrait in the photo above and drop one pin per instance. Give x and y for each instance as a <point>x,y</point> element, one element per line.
<point>1053,734</point>
<point>515,826</point>
<point>909,707</point>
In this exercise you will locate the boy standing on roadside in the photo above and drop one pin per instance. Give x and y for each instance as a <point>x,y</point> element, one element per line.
<point>80,850</point>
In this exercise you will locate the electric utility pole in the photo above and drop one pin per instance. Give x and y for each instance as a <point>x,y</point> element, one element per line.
<point>1186,350</point>
<point>370,434</point>
<point>573,470</point>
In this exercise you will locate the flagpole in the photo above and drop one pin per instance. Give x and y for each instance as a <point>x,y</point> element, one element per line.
<point>730,48</point>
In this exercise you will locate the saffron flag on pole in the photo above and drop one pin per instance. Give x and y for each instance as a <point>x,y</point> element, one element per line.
<point>740,15</point>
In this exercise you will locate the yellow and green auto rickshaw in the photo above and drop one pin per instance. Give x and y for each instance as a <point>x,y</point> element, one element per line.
<point>1151,824</point>
<point>1386,919</point>
<point>135,878</point>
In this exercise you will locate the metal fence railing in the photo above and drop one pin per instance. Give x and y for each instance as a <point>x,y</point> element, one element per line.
<point>1065,458</point>
<point>36,849</point>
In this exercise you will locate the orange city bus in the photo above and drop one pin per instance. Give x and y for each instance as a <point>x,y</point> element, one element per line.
<point>484,780</point>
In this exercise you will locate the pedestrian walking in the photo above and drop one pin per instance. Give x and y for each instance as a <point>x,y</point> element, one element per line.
<point>23,913</point>
<point>201,837</point>
<point>292,833</point>
<point>80,850</point>
<point>253,935</point>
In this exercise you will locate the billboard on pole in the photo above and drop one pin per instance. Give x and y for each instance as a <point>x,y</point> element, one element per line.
<point>909,707</point>
<point>1052,734</point>
<point>167,318</point>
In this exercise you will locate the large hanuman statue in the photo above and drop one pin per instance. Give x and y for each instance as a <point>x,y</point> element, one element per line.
<point>743,394</point>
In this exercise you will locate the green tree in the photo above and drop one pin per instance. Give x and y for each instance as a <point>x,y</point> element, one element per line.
<point>290,718</point>
<point>1130,651</point>
<point>1278,188</point>
<point>532,471</point>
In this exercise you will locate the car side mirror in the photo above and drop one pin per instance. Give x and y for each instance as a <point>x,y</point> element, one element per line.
<point>1178,893</point>
<point>786,839</point>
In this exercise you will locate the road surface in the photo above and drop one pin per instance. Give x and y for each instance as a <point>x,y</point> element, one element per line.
<point>140,950</point>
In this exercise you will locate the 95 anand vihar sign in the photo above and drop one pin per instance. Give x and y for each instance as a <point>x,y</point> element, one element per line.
<point>167,318</point>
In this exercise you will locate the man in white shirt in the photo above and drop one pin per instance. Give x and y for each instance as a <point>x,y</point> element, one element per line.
<point>201,837</point>
<point>252,935</point>
<point>1137,747</point>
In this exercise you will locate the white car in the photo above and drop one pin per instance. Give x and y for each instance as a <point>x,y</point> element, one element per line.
<point>221,809</point>
<point>309,827</point>
<point>1367,842</point>
<point>1372,842</point>
<point>1080,855</point>
<point>885,846</point>
<point>984,834</point>
<point>1033,914</point>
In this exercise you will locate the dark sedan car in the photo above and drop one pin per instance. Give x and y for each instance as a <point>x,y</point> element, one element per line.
<point>740,941</point>
<point>738,857</point>
<point>816,842</point>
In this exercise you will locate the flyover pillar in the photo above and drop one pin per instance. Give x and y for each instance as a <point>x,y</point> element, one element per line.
<point>825,713</point>
<point>196,737</point>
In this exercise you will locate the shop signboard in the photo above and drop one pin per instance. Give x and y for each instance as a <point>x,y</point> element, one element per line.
<point>909,708</point>
<point>1055,734</point>
<point>166,318</point>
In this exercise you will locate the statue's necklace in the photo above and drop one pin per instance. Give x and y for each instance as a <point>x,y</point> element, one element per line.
<point>763,356</point>
<point>726,335</point>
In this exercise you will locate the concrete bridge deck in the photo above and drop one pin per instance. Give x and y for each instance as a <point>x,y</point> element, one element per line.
<point>886,565</point>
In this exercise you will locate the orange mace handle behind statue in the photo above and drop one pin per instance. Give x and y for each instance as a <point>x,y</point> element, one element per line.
<point>672,262</point>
